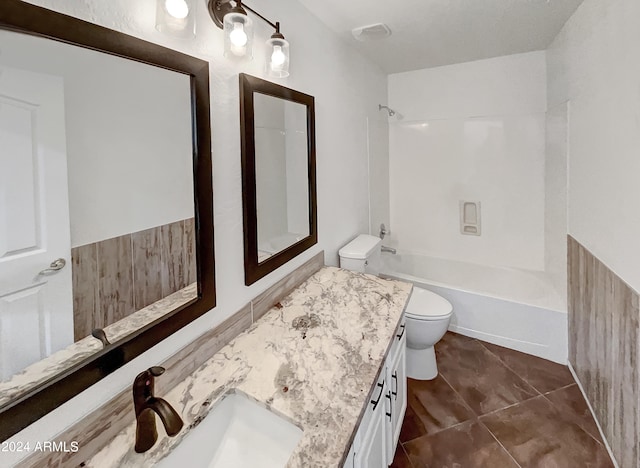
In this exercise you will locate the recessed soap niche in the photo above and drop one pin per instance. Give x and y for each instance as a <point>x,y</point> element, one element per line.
<point>470,218</point>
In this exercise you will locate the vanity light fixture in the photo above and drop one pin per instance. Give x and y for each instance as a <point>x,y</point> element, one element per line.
<point>176,18</point>
<point>278,55</point>
<point>238,32</point>
<point>231,16</point>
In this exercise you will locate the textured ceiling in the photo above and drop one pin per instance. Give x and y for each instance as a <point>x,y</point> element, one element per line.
<point>430,33</point>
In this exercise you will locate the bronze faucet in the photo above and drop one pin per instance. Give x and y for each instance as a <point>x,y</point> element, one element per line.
<point>145,405</point>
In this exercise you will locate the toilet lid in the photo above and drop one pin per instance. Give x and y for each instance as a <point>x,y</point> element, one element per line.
<point>427,305</point>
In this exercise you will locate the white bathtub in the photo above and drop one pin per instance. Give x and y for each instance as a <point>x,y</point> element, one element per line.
<point>519,309</point>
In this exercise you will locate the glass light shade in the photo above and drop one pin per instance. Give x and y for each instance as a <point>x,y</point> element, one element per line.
<point>238,36</point>
<point>277,57</point>
<point>176,17</point>
<point>178,9</point>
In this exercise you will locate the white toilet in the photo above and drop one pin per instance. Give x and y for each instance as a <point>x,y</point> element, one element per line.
<point>428,315</point>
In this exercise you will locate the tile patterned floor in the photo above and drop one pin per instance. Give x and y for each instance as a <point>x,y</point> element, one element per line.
<point>497,408</point>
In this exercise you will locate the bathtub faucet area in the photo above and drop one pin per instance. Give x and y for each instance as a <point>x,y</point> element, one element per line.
<point>390,250</point>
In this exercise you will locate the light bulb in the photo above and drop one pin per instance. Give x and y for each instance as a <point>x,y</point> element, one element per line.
<point>238,37</point>
<point>177,8</point>
<point>277,57</point>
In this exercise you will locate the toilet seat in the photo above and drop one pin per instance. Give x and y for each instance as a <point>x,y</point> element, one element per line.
<point>430,318</point>
<point>427,305</point>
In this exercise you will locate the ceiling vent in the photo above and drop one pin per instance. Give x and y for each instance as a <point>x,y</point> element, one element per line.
<point>371,32</point>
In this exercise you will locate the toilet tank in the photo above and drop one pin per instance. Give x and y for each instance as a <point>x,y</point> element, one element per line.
<point>362,254</point>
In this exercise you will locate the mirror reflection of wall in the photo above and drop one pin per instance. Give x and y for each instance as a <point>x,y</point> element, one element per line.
<point>282,180</point>
<point>96,168</point>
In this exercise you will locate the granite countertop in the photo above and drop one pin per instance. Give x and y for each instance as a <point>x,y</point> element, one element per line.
<point>313,358</point>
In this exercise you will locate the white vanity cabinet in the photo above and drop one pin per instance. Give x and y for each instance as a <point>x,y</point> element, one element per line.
<point>397,378</point>
<point>377,437</point>
<point>372,450</point>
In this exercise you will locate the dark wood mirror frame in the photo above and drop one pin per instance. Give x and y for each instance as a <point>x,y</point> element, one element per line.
<point>253,270</point>
<point>18,16</point>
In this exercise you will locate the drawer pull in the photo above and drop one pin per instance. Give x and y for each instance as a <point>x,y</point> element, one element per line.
<point>395,377</point>
<point>375,402</point>
<point>388,395</point>
<point>402,332</point>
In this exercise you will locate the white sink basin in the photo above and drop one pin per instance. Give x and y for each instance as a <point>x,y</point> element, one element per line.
<point>237,433</point>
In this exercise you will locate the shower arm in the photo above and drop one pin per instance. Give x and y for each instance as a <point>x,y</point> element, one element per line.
<point>390,111</point>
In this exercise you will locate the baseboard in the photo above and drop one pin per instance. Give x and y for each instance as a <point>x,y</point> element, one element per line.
<point>527,347</point>
<point>604,439</point>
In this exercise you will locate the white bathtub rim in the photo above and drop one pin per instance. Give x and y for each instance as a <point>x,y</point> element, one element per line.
<point>529,329</point>
<point>505,268</point>
<point>416,279</point>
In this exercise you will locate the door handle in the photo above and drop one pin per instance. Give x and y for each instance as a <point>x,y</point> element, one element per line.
<point>55,266</point>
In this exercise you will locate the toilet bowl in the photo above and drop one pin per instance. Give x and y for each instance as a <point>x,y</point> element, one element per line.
<point>428,316</point>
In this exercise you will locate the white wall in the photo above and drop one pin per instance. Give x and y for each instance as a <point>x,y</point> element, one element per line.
<point>379,210</point>
<point>476,132</point>
<point>593,63</point>
<point>344,84</point>
<point>129,151</point>
<point>555,199</point>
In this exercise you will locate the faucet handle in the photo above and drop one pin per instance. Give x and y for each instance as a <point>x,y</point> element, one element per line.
<point>143,384</point>
<point>156,371</point>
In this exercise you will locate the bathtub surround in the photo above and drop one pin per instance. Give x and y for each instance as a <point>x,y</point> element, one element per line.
<point>480,131</point>
<point>115,277</point>
<point>604,349</point>
<point>472,131</point>
<point>105,422</point>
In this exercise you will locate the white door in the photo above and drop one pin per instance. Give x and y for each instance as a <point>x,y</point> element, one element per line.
<point>372,453</point>
<point>36,310</point>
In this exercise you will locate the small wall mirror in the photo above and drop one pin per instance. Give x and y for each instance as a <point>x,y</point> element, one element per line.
<point>278,175</point>
<point>106,211</point>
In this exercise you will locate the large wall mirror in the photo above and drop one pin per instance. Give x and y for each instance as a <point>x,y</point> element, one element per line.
<point>278,175</point>
<point>106,212</point>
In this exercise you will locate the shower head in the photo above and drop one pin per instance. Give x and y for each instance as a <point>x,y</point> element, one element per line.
<point>390,111</point>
